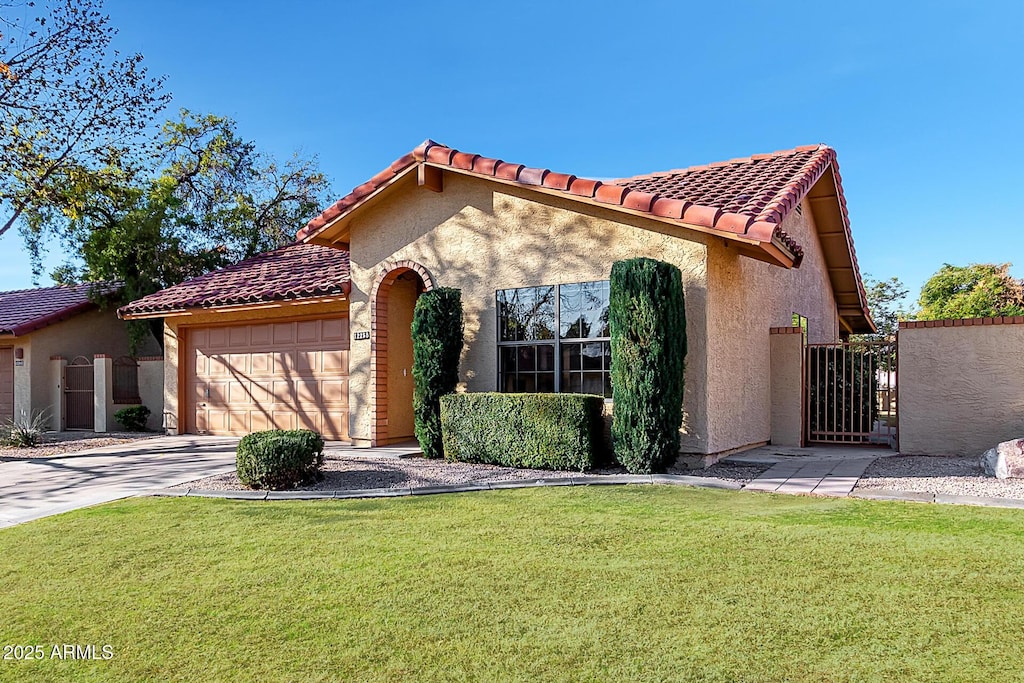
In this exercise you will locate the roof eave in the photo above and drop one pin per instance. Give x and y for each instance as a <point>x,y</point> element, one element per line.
<point>235,307</point>
<point>52,319</point>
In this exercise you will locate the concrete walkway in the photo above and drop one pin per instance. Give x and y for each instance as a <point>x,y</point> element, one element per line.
<point>34,488</point>
<point>822,471</point>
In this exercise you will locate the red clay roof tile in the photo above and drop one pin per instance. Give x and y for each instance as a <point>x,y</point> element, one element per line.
<point>297,271</point>
<point>584,187</point>
<point>485,165</point>
<point>26,310</point>
<point>507,171</point>
<point>558,181</point>
<point>638,201</point>
<point>464,160</point>
<point>610,194</point>
<point>762,188</point>
<point>532,176</point>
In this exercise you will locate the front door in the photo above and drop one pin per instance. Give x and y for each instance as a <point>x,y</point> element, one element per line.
<point>401,302</point>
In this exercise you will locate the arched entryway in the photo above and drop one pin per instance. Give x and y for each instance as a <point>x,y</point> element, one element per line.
<point>393,300</point>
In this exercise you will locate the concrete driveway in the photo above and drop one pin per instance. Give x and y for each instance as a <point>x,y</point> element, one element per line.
<point>30,489</point>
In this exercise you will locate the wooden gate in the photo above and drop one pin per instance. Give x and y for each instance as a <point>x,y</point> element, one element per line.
<point>851,393</point>
<point>78,394</point>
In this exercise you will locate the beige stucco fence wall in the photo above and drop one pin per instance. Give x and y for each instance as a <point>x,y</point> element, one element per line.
<point>961,385</point>
<point>787,385</point>
<point>151,390</point>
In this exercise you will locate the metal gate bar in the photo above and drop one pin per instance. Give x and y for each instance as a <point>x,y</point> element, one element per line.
<point>78,395</point>
<point>851,394</point>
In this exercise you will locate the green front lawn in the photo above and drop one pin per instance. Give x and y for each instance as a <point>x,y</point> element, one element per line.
<point>608,584</point>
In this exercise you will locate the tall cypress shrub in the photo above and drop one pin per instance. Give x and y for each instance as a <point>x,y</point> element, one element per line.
<point>436,346</point>
<point>647,318</point>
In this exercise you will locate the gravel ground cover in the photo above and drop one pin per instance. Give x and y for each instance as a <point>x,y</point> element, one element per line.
<point>936,474</point>
<point>62,443</point>
<point>346,472</point>
<point>739,473</point>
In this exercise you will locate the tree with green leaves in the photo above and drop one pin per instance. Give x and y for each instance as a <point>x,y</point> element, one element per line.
<point>886,301</point>
<point>979,290</point>
<point>437,339</point>
<point>213,199</point>
<point>68,100</point>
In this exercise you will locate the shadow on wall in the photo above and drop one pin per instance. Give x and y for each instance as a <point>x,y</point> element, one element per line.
<point>480,240</point>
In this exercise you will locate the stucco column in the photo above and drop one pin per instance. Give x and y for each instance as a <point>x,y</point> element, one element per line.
<point>103,392</point>
<point>24,401</point>
<point>151,389</point>
<point>57,364</point>
<point>787,386</point>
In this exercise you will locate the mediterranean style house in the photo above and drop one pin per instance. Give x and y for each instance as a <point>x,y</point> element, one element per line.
<point>316,333</point>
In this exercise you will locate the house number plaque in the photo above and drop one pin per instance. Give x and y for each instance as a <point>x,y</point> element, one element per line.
<point>361,335</point>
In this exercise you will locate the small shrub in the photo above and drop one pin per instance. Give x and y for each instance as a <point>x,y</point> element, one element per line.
<point>542,431</point>
<point>647,320</point>
<point>279,458</point>
<point>436,346</point>
<point>24,431</point>
<point>133,419</point>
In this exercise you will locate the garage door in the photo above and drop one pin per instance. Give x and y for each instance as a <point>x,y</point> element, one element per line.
<point>288,375</point>
<point>6,385</point>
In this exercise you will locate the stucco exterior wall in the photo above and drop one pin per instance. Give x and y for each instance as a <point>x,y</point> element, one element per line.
<point>151,389</point>
<point>482,237</point>
<point>960,387</point>
<point>745,299</point>
<point>87,334</point>
<point>787,387</point>
<point>174,326</point>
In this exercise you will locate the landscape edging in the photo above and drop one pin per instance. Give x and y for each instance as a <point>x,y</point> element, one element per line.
<point>583,480</point>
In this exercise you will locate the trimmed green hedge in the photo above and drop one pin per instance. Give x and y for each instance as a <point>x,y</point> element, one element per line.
<point>647,320</point>
<point>437,333</point>
<point>279,458</point>
<point>542,431</point>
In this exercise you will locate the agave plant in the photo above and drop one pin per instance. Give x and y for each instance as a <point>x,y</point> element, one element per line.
<point>25,431</point>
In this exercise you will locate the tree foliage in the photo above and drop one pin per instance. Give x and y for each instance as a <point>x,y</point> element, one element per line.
<point>67,100</point>
<point>979,290</point>
<point>211,199</point>
<point>437,339</point>
<point>647,317</point>
<point>886,301</point>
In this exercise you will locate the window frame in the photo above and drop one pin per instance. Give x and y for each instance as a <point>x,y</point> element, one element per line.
<point>556,341</point>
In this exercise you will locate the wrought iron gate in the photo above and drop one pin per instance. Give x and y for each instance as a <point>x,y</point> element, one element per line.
<point>78,394</point>
<point>851,393</point>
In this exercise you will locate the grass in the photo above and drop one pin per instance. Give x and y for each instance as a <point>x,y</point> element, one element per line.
<point>609,584</point>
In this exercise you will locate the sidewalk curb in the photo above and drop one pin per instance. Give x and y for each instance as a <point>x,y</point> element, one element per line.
<point>467,487</point>
<point>592,480</point>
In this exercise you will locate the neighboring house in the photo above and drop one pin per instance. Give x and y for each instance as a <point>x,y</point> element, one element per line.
<point>51,334</point>
<point>317,334</point>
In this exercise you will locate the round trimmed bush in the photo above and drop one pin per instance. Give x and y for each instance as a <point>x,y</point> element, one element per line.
<point>279,458</point>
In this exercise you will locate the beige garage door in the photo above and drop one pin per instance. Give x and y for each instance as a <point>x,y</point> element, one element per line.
<point>6,385</point>
<point>287,375</point>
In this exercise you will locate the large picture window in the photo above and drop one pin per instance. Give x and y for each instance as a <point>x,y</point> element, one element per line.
<point>554,338</point>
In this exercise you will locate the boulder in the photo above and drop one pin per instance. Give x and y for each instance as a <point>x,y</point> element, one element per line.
<point>1005,461</point>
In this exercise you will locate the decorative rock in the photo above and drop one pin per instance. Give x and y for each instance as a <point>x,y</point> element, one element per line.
<point>1005,461</point>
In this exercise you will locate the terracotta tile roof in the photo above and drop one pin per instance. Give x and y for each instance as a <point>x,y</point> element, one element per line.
<point>759,188</point>
<point>26,310</point>
<point>296,271</point>
<point>746,197</point>
<point>745,200</point>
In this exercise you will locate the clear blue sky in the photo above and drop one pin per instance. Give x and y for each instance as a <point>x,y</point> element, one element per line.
<point>924,102</point>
